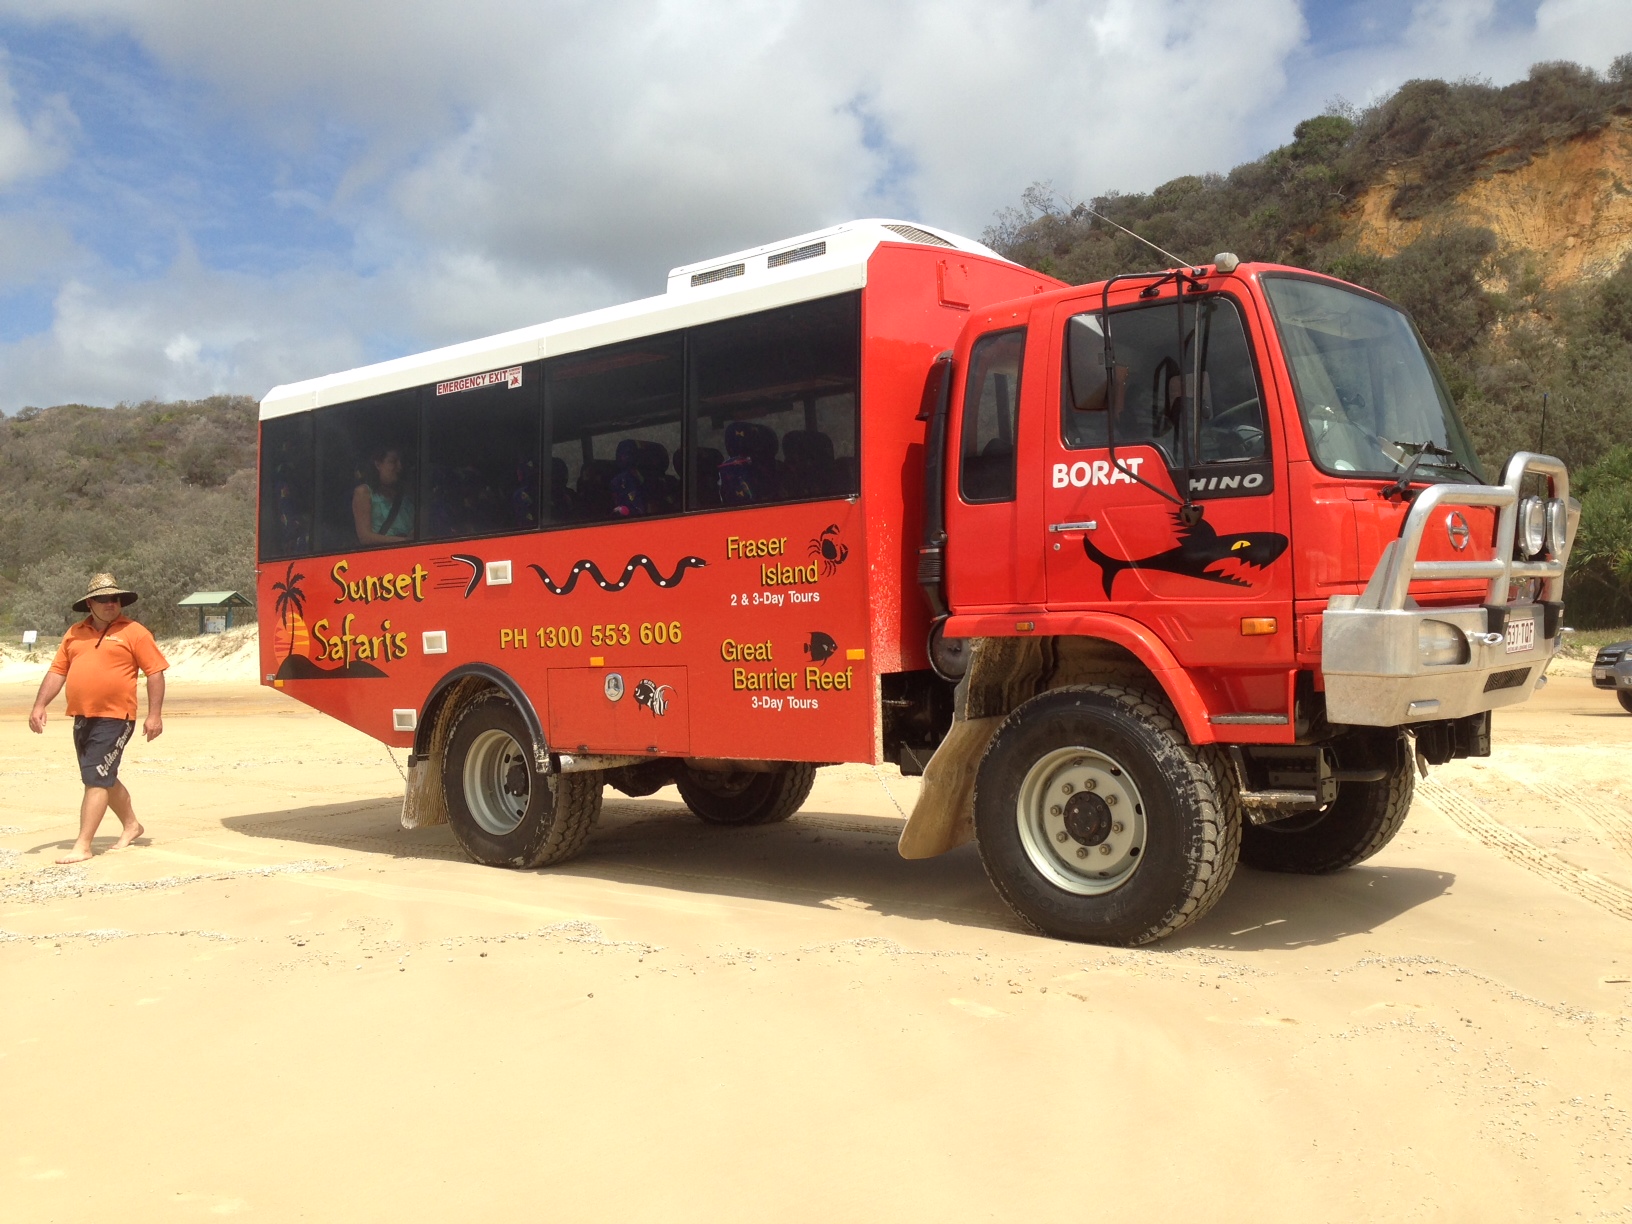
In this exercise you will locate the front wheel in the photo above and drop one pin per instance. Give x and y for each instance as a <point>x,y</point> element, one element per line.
<point>1098,820</point>
<point>1363,818</point>
<point>502,812</point>
<point>744,798</point>
<point>1625,698</point>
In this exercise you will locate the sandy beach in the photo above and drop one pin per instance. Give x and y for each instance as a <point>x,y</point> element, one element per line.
<point>282,1005</point>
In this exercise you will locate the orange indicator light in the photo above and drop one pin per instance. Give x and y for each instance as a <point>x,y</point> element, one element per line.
<point>1257,626</point>
<point>597,660</point>
<point>1025,626</point>
<point>855,654</point>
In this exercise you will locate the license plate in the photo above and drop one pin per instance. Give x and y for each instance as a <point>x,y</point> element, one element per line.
<point>1521,635</point>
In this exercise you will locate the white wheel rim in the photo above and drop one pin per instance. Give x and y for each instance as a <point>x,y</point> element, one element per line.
<point>497,782</point>
<point>1082,821</point>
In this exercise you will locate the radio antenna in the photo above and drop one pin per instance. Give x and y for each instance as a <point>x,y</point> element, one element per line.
<point>1177,262</point>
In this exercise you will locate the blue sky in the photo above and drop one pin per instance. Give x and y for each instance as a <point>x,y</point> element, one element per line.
<point>198,197</point>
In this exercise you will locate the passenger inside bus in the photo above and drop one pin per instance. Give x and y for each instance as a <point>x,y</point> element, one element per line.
<point>381,506</point>
<point>750,473</point>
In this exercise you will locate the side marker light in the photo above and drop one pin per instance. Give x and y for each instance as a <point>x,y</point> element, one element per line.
<point>1257,626</point>
<point>1024,626</point>
<point>855,654</point>
<point>597,660</point>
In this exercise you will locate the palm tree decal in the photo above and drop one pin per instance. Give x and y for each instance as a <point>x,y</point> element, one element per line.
<point>291,602</point>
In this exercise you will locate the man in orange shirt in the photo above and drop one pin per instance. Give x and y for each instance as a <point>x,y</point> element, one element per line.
<point>98,661</point>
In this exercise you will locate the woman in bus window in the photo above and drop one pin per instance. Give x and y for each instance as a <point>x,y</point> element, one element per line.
<point>381,507</point>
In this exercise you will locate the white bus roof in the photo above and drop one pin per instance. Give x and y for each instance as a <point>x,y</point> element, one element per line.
<point>797,269</point>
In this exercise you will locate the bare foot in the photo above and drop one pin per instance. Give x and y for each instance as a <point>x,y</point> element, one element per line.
<point>76,855</point>
<point>128,836</point>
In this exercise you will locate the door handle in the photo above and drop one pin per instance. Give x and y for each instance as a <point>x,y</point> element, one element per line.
<point>1090,525</point>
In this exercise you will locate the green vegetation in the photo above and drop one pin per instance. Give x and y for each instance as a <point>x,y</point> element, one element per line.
<point>161,495</point>
<point>1507,343</point>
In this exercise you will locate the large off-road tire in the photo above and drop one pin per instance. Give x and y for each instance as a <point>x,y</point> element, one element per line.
<point>503,813</point>
<point>742,798</point>
<point>1098,820</point>
<point>1356,825</point>
<point>1624,696</point>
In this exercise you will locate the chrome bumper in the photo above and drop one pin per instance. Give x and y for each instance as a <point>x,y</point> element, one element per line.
<point>1373,667</point>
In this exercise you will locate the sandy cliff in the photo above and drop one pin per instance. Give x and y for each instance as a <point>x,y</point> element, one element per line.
<point>1569,208</point>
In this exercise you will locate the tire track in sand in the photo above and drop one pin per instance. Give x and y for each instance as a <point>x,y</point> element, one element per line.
<point>1612,821</point>
<point>1467,815</point>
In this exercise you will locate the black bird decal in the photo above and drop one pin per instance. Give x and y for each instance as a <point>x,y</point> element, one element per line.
<point>1200,548</point>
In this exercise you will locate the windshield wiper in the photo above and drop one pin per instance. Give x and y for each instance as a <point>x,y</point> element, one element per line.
<point>1419,452</point>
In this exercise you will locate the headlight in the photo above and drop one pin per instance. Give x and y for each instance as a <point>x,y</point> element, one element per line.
<point>1558,526</point>
<point>1532,534</point>
<point>1439,644</point>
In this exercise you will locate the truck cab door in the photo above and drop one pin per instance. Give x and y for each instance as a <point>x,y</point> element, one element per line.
<point>1113,536</point>
<point>983,522</point>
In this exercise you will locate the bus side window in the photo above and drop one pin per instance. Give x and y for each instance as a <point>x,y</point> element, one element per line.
<point>481,458</point>
<point>367,472</point>
<point>286,487</point>
<point>990,415</point>
<point>773,405</point>
<point>614,417</point>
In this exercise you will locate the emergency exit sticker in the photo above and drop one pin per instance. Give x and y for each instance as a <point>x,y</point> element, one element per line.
<point>510,378</point>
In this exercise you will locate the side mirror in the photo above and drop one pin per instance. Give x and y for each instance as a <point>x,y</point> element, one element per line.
<point>1085,352</point>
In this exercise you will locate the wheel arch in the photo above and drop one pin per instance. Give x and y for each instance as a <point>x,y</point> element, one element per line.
<point>435,703</point>
<point>1077,648</point>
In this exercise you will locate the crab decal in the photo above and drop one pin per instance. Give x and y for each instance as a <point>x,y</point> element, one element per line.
<point>655,697</point>
<point>830,550</point>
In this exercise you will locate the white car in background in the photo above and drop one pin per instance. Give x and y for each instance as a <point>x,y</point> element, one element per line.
<point>1612,669</point>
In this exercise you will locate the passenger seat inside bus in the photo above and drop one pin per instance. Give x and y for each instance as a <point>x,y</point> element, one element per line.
<point>706,475</point>
<point>812,470</point>
<point>595,489</point>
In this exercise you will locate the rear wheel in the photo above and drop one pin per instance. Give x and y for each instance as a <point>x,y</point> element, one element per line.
<point>1363,818</point>
<point>503,813</point>
<point>744,798</point>
<point>1098,820</point>
<point>1625,698</point>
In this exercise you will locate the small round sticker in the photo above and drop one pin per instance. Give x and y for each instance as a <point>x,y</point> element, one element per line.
<point>614,686</point>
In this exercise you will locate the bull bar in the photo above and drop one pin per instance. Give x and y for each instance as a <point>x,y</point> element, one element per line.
<point>1375,672</point>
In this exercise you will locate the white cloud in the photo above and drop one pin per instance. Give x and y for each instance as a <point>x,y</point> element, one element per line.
<point>30,146</point>
<point>509,161</point>
<point>199,331</point>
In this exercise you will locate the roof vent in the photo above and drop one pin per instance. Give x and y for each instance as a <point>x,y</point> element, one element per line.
<point>716,274</point>
<point>913,234</point>
<point>812,251</point>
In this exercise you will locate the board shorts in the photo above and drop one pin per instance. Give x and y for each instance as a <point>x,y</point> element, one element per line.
<point>99,744</point>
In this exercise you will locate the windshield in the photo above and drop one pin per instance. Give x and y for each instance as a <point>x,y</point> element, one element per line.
<point>1371,399</point>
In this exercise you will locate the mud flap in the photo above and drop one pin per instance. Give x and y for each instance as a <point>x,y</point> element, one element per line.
<point>423,803</point>
<point>944,816</point>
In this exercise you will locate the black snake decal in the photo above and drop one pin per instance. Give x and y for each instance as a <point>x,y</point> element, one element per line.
<point>642,561</point>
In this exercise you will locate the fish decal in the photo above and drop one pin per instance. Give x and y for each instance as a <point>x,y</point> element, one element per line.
<point>654,697</point>
<point>1199,550</point>
<point>821,647</point>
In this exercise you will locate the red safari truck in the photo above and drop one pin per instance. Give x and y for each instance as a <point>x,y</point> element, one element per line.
<point>1144,577</point>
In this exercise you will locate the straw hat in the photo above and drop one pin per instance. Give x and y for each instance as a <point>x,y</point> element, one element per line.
<point>104,585</point>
